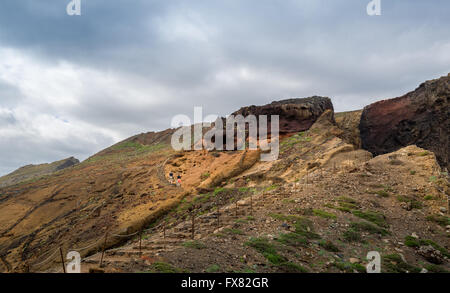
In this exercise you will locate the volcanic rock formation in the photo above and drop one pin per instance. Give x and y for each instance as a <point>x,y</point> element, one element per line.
<point>418,118</point>
<point>295,114</point>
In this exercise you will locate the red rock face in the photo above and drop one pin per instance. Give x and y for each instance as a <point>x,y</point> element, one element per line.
<point>295,114</point>
<point>420,117</point>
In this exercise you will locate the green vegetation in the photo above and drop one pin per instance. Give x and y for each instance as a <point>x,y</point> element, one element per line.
<point>293,239</point>
<point>290,267</point>
<point>413,242</point>
<point>428,197</point>
<point>423,154</point>
<point>393,263</point>
<point>348,267</point>
<point>383,193</point>
<point>219,190</point>
<point>205,176</point>
<point>233,231</point>
<point>271,187</point>
<point>288,218</point>
<point>412,172</point>
<point>162,267</point>
<point>125,151</point>
<point>202,198</point>
<point>294,140</point>
<point>348,200</point>
<point>194,244</point>
<point>374,217</point>
<point>324,214</point>
<point>340,208</point>
<point>439,219</point>
<point>415,204</point>
<point>351,235</point>
<point>245,220</point>
<point>435,269</point>
<point>269,251</point>
<point>213,268</point>
<point>328,245</point>
<point>368,227</point>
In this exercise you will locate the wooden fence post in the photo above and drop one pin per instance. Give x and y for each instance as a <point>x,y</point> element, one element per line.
<point>140,241</point>
<point>62,259</point>
<point>104,248</point>
<point>218,216</point>
<point>164,230</point>
<point>193,224</point>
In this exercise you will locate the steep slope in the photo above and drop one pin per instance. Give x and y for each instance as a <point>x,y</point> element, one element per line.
<point>31,172</point>
<point>320,208</point>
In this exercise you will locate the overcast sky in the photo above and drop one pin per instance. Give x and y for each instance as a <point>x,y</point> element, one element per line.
<point>73,85</point>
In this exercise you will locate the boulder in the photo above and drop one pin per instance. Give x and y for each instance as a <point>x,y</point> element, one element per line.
<point>431,254</point>
<point>420,118</point>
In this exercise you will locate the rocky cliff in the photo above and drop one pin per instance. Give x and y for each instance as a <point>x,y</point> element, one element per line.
<point>420,118</point>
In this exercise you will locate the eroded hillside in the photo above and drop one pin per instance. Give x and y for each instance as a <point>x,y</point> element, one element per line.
<point>320,207</point>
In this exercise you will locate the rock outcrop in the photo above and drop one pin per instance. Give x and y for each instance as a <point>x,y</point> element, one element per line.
<point>296,115</point>
<point>421,117</point>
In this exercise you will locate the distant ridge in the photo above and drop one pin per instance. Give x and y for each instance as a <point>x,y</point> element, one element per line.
<point>30,172</point>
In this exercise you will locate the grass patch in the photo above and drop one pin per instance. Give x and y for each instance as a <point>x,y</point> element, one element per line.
<point>205,176</point>
<point>324,214</point>
<point>349,267</point>
<point>393,263</point>
<point>415,204</point>
<point>435,269</point>
<point>290,267</point>
<point>164,268</point>
<point>233,231</point>
<point>374,217</point>
<point>194,244</point>
<point>288,218</point>
<point>413,242</point>
<point>428,197</point>
<point>351,235</point>
<point>219,190</point>
<point>340,208</point>
<point>268,250</point>
<point>245,220</point>
<point>293,239</point>
<point>271,187</point>
<point>213,268</point>
<point>382,193</point>
<point>368,227</point>
<point>439,219</point>
<point>328,245</point>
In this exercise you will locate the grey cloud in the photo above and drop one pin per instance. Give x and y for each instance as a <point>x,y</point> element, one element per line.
<point>189,49</point>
